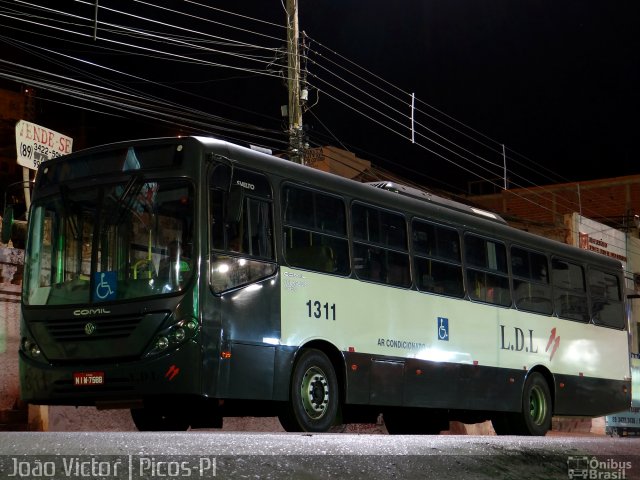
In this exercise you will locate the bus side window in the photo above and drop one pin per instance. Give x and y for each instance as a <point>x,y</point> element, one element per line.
<point>242,246</point>
<point>487,273</point>
<point>380,245</point>
<point>531,288</point>
<point>436,250</point>
<point>569,294</point>
<point>217,219</point>
<point>315,231</point>
<point>606,304</point>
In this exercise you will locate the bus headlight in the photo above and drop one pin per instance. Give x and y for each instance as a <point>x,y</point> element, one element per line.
<point>174,336</point>
<point>179,334</point>
<point>162,343</point>
<point>30,348</point>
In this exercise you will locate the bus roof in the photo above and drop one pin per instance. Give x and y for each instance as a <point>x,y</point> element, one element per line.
<point>430,197</point>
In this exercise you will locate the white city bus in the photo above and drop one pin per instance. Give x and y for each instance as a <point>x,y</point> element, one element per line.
<point>301,294</point>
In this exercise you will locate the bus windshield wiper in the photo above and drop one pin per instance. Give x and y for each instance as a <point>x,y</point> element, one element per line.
<point>126,198</point>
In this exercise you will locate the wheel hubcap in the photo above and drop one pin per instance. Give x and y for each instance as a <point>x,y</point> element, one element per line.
<point>537,406</point>
<point>314,392</point>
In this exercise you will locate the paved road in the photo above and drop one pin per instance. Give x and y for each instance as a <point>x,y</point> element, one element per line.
<point>227,455</point>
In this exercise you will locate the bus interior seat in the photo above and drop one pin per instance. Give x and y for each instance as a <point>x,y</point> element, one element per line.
<point>398,275</point>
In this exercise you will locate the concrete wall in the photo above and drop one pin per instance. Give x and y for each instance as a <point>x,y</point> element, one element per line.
<point>10,280</point>
<point>13,415</point>
<point>9,338</point>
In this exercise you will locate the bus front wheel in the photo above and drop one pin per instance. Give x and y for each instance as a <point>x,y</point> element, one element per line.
<point>313,397</point>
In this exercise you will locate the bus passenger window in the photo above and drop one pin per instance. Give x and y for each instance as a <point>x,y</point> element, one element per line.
<point>531,288</point>
<point>437,259</point>
<point>570,298</point>
<point>242,248</point>
<point>607,307</point>
<point>380,246</point>
<point>487,273</point>
<point>315,231</point>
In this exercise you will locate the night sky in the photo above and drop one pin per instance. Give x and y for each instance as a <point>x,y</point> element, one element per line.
<point>555,82</point>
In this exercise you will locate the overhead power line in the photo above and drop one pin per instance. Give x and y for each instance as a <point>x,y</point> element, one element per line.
<point>340,79</point>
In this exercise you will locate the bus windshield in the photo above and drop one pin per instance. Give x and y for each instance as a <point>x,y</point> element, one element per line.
<point>112,242</point>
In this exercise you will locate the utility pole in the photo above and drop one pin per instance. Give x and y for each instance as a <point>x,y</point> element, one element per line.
<point>30,115</point>
<point>293,81</point>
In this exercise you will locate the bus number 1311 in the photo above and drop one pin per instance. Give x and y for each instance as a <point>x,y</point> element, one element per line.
<point>317,309</point>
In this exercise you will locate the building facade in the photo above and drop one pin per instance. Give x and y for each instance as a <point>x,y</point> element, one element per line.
<point>598,215</point>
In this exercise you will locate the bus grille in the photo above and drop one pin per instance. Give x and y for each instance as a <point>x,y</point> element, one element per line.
<point>74,330</point>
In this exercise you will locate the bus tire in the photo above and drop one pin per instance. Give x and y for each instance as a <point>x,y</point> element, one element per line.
<point>155,420</point>
<point>535,418</point>
<point>313,397</point>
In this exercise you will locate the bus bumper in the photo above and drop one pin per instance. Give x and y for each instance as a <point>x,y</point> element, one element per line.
<point>175,373</point>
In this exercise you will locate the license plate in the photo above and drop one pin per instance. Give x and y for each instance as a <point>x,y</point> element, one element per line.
<point>85,379</point>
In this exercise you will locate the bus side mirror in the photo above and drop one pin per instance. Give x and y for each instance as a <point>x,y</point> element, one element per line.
<point>234,204</point>
<point>7,224</point>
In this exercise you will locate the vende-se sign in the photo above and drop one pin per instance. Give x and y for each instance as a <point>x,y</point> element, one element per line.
<point>35,144</point>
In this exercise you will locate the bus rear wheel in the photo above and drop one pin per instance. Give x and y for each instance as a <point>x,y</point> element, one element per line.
<point>535,418</point>
<point>314,396</point>
<point>149,419</point>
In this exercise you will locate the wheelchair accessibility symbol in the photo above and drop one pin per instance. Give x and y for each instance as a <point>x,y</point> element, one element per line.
<point>105,286</point>
<point>443,329</point>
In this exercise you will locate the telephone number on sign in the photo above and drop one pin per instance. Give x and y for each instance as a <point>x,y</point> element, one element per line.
<point>37,153</point>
